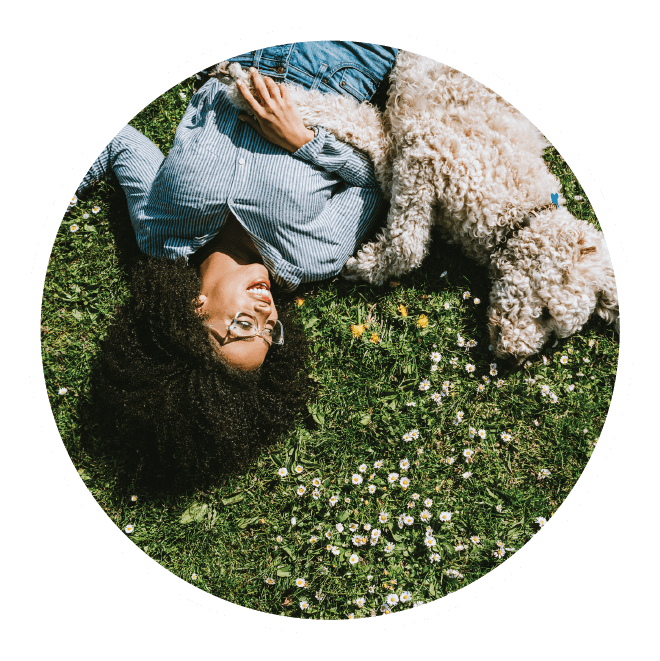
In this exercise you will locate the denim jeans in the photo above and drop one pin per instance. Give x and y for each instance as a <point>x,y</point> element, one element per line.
<point>338,67</point>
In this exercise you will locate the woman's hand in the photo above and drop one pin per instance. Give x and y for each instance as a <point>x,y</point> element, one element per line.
<point>276,117</point>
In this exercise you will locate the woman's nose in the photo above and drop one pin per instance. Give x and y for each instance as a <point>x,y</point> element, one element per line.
<point>264,307</point>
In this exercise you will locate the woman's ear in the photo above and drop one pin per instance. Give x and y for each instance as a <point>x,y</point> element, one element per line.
<point>198,303</point>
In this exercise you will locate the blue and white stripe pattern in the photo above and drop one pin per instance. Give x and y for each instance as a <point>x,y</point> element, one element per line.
<point>306,212</point>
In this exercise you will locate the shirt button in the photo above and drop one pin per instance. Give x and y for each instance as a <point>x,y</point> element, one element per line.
<point>343,84</point>
<point>280,69</point>
<point>325,81</point>
<point>241,161</point>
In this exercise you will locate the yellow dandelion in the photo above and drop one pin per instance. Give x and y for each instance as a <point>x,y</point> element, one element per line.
<point>299,301</point>
<point>423,321</point>
<point>374,338</point>
<point>402,310</point>
<point>357,329</point>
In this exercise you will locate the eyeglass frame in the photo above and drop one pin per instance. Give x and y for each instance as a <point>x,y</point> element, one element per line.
<point>260,331</point>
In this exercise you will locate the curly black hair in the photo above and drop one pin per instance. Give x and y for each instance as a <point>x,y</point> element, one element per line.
<point>165,402</point>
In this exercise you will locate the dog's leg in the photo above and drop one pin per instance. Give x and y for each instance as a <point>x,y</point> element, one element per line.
<point>403,244</point>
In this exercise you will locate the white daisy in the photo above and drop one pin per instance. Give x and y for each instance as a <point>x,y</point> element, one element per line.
<point>74,201</point>
<point>481,387</point>
<point>424,384</point>
<point>353,527</point>
<point>544,473</point>
<point>459,416</point>
<point>425,516</point>
<point>408,520</point>
<point>459,547</point>
<point>367,527</point>
<point>279,539</point>
<point>320,595</point>
<point>468,454</point>
<point>316,494</point>
<point>472,343</point>
<point>333,500</point>
<point>404,482</point>
<point>453,573</point>
<point>316,482</point>
<point>282,472</point>
<point>445,516</point>
<point>354,559</point>
<point>301,490</point>
<point>411,404</point>
<point>293,521</point>
<point>371,589</point>
<point>340,527</point>
<point>472,432</point>
<point>591,343</point>
<point>454,361</point>
<point>437,398</point>
<point>563,360</point>
<point>553,398</point>
<point>499,383</point>
<point>74,228</point>
<point>446,306</point>
<point>372,488</point>
<point>303,605</point>
<point>182,95</point>
<point>362,468</point>
<point>129,529</point>
<point>359,602</point>
<point>357,478</point>
<point>415,496</point>
<point>428,502</point>
<point>299,469</point>
<point>86,216</point>
<point>392,478</point>
<point>469,368</point>
<point>460,341</point>
<point>383,516</point>
<point>62,391</point>
<point>405,597</point>
<point>545,390</point>
<point>96,209</point>
<point>475,539</point>
<point>466,295</point>
<point>435,557</point>
<point>133,498</point>
<point>300,582</point>
<point>389,547</point>
<point>313,539</point>
<point>404,464</point>
<point>434,368</point>
<point>505,437</point>
<point>450,460</point>
<point>378,464</point>
<point>435,357</point>
<point>336,550</point>
<point>477,301</point>
<point>407,437</point>
<point>414,433</point>
<point>270,581</point>
<point>498,507</point>
<point>482,433</point>
<point>392,599</point>
<point>430,542</point>
<point>467,475</point>
<point>540,520</point>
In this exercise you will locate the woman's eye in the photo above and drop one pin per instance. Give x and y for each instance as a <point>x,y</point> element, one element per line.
<point>245,325</point>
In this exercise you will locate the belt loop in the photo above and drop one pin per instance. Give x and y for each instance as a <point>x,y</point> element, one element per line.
<point>319,76</point>
<point>256,58</point>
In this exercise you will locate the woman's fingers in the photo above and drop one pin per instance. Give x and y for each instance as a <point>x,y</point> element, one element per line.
<point>247,95</point>
<point>261,87</point>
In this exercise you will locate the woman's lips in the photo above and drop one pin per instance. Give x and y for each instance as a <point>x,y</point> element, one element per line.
<point>264,283</point>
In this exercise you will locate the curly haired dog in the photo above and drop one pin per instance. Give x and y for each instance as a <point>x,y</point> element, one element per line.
<point>450,152</point>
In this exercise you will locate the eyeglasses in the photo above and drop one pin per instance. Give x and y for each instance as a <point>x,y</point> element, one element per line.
<point>245,325</point>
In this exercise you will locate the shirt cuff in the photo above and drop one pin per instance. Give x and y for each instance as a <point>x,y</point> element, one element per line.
<point>310,150</point>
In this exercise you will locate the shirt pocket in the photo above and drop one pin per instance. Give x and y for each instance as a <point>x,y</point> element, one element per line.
<point>350,79</point>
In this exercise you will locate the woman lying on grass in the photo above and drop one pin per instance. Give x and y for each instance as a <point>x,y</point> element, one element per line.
<point>199,370</point>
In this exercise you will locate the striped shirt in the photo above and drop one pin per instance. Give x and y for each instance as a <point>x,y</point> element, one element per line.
<point>306,212</point>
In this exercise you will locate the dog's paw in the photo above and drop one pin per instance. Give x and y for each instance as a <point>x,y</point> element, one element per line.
<point>351,270</point>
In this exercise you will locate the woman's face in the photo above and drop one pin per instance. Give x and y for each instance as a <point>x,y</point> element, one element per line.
<point>232,283</point>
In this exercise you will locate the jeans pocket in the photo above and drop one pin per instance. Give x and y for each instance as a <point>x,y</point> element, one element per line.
<point>351,80</point>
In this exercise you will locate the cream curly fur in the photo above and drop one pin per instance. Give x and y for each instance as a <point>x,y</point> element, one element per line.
<point>450,152</point>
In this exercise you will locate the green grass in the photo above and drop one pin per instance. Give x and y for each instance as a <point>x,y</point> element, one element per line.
<point>227,536</point>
